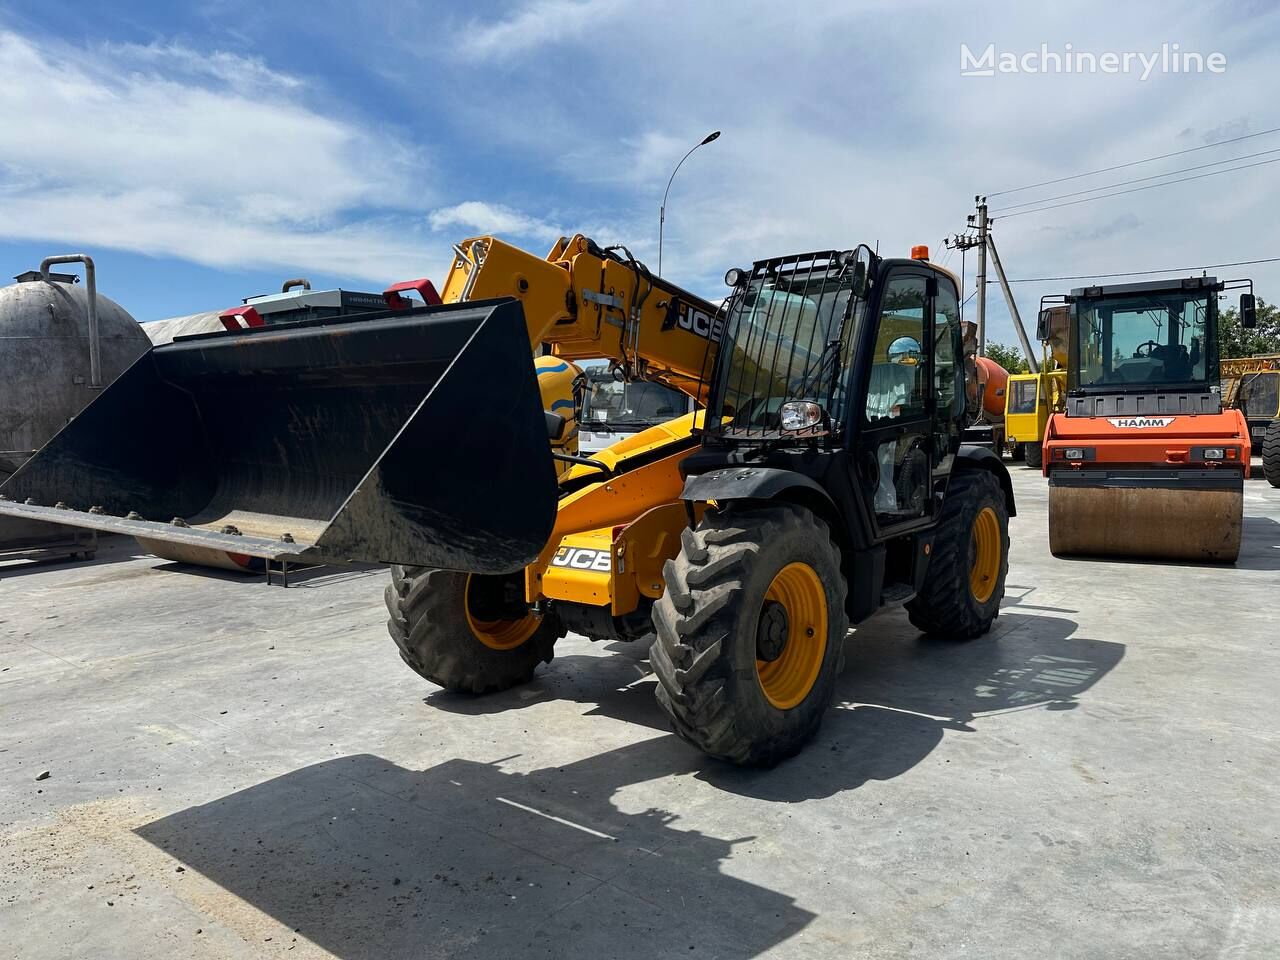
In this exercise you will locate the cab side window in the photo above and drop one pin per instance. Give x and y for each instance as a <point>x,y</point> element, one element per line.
<point>898,368</point>
<point>946,340</point>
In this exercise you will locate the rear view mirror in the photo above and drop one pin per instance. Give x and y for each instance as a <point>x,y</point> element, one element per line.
<point>1248,312</point>
<point>905,350</point>
<point>555,425</point>
<point>859,279</point>
<point>1042,326</point>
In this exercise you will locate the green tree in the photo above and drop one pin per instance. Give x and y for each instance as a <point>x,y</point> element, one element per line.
<point>1008,357</point>
<point>1235,341</point>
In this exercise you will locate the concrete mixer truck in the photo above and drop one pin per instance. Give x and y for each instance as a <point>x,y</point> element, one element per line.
<point>985,386</point>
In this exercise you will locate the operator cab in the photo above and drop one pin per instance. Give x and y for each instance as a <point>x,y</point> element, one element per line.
<point>844,366</point>
<point>1157,339</point>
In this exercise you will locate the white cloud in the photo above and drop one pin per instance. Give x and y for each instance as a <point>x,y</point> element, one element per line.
<point>242,73</point>
<point>844,126</point>
<point>209,157</point>
<point>492,218</point>
<point>534,24</point>
<point>164,224</point>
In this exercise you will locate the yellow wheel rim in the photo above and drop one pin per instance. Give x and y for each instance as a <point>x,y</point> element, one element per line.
<point>787,680</point>
<point>499,634</point>
<point>984,565</point>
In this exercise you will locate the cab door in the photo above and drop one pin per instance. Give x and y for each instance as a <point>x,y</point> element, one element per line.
<point>897,448</point>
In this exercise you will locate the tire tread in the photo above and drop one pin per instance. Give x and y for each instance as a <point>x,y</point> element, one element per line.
<point>694,625</point>
<point>429,628</point>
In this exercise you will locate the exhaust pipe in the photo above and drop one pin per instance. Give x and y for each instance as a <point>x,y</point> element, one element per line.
<point>91,289</point>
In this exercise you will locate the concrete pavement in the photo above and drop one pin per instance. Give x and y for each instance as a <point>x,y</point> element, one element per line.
<point>237,770</point>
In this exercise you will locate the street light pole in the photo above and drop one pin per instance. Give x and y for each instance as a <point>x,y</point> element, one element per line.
<point>662,210</point>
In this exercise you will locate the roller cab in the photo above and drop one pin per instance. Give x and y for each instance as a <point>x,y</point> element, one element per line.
<point>416,437</point>
<point>1144,462</point>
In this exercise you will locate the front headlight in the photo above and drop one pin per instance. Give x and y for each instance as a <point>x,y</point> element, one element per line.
<point>797,415</point>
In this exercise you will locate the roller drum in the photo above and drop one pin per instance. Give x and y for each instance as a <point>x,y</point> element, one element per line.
<point>1174,518</point>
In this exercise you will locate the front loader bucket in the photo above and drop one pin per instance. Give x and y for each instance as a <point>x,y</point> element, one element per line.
<point>1193,515</point>
<point>417,437</point>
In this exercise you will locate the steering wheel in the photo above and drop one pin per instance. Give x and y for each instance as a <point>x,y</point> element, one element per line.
<point>1150,347</point>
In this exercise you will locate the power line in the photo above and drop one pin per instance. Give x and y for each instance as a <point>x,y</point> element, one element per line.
<point>1134,163</point>
<point>1125,183</point>
<point>1141,273</point>
<point>1152,186</point>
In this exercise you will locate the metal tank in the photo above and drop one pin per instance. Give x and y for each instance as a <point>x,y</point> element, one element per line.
<point>60,344</point>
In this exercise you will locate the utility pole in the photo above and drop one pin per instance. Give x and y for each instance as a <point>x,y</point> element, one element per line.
<point>964,242</point>
<point>986,243</point>
<point>982,275</point>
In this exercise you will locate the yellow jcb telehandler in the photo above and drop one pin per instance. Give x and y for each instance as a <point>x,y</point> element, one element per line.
<point>825,480</point>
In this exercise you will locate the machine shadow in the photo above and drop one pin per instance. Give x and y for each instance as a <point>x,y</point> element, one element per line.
<point>902,692</point>
<point>1017,595</point>
<point>1260,544</point>
<point>308,576</point>
<point>111,549</point>
<point>468,860</point>
<point>465,859</point>
<point>899,694</point>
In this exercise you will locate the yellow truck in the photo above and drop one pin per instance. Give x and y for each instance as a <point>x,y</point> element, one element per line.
<point>1031,397</point>
<point>1029,400</point>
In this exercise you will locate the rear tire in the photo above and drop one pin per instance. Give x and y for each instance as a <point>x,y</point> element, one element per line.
<point>750,583</point>
<point>1018,451</point>
<point>437,638</point>
<point>1035,455</point>
<point>1271,453</point>
<point>964,584</point>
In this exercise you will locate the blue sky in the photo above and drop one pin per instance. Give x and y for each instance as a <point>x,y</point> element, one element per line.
<point>205,151</point>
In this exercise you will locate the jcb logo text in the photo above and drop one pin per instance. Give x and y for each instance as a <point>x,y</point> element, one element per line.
<point>580,558</point>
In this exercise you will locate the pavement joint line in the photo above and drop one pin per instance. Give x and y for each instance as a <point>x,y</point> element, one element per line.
<point>560,820</point>
<point>72,663</point>
<point>939,718</point>
<point>492,836</point>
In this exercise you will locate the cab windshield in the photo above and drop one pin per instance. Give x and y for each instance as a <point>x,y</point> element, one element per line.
<point>610,403</point>
<point>1022,395</point>
<point>786,336</point>
<point>1153,339</point>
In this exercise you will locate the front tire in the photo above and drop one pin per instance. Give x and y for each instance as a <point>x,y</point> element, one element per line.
<point>1035,455</point>
<point>964,584</point>
<point>750,633</point>
<point>1271,453</point>
<point>443,634</point>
